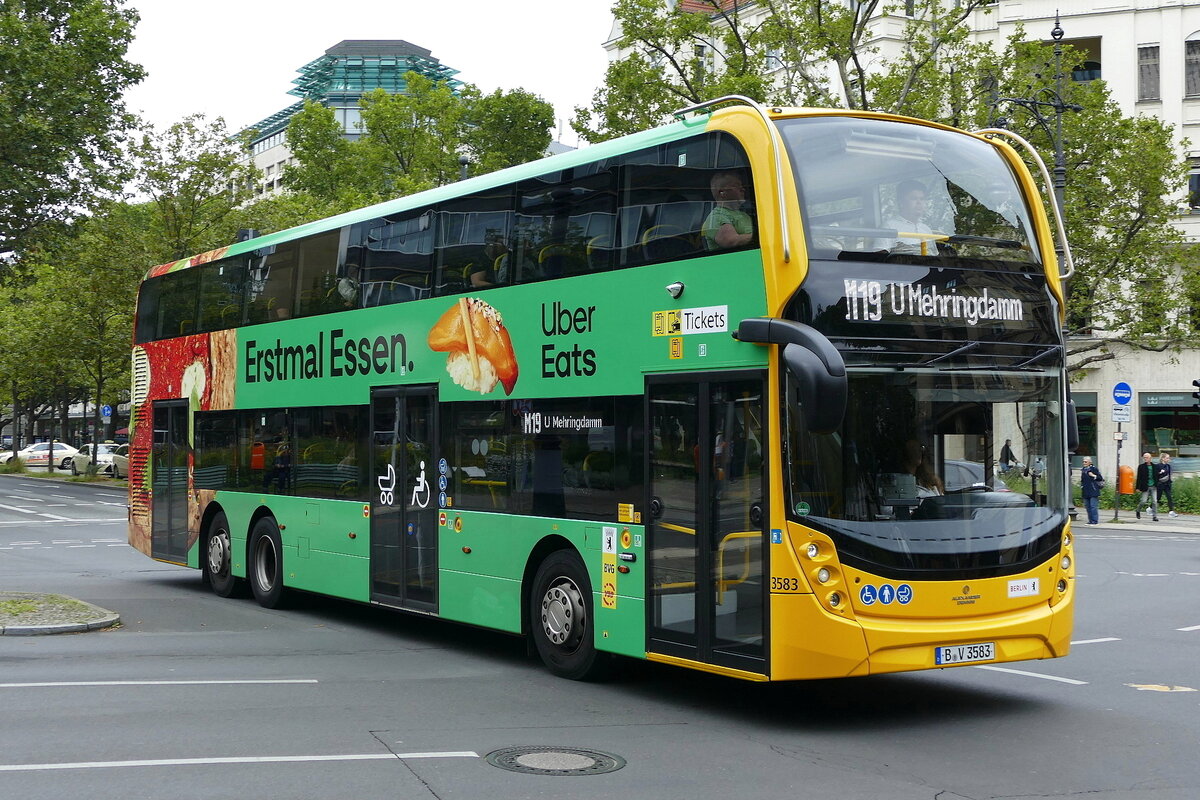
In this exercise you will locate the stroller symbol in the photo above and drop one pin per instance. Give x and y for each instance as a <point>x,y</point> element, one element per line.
<point>387,486</point>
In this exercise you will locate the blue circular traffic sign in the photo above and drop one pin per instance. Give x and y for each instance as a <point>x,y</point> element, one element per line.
<point>1122,393</point>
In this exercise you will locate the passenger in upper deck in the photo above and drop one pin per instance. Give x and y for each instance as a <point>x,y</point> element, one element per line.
<point>727,225</point>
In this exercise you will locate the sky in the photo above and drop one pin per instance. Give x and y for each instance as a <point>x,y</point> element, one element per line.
<point>237,58</point>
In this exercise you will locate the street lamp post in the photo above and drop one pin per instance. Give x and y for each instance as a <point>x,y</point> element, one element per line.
<point>1052,99</point>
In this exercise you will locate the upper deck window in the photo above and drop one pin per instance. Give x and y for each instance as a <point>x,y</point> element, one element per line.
<point>877,190</point>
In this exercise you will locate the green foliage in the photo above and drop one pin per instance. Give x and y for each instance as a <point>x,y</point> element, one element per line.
<point>195,174</point>
<point>15,466</point>
<point>413,141</point>
<point>64,71</point>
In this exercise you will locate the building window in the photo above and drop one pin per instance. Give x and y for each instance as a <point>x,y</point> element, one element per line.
<point>1194,187</point>
<point>1169,424</point>
<point>1148,73</point>
<point>1191,57</point>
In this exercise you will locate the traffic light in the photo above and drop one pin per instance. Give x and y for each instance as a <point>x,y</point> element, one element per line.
<point>1196,395</point>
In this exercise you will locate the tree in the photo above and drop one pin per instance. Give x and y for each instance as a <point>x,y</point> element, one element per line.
<point>64,69</point>
<point>808,53</point>
<point>413,141</point>
<point>196,175</point>
<point>1137,281</point>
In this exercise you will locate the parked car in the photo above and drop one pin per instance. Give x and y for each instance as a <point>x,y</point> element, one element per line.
<point>963,476</point>
<point>39,454</point>
<point>120,461</point>
<point>104,459</point>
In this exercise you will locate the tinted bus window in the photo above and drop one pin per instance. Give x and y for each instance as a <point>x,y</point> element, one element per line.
<point>474,235</point>
<point>396,258</point>
<point>317,274</point>
<point>222,290</point>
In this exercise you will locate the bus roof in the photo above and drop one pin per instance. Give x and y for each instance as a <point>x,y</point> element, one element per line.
<point>612,147</point>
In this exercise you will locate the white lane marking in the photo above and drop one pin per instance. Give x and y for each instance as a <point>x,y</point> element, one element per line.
<point>18,508</point>
<point>185,762</point>
<point>54,684</point>
<point>65,496</point>
<point>1097,641</point>
<point>65,541</point>
<point>80,545</point>
<point>1071,681</point>
<point>1192,628</point>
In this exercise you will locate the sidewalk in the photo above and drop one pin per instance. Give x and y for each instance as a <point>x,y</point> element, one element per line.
<point>1128,521</point>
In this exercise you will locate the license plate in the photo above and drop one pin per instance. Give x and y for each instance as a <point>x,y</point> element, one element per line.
<point>964,653</point>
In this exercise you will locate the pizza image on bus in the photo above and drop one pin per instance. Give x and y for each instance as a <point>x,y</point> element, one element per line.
<point>480,350</point>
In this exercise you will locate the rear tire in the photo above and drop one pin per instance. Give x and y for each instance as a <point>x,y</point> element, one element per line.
<point>561,618</point>
<point>266,564</point>
<point>218,549</point>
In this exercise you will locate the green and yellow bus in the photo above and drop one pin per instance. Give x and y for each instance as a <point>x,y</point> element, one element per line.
<point>726,394</point>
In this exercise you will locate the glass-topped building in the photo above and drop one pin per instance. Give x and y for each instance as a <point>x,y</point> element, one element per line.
<point>342,75</point>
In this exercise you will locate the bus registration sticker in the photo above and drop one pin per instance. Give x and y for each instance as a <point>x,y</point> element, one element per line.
<point>946,654</point>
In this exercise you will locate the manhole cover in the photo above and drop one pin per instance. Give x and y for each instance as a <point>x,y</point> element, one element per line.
<point>544,760</point>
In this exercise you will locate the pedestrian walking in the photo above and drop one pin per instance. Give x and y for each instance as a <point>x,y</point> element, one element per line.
<point>1162,479</point>
<point>1007,459</point>
<point>1145,484</point>
<point>1092,482</point>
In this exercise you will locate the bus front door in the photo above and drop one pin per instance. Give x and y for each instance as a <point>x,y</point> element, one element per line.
<point>169,482</point>
<point>404,506</point>
<point>706,528</point>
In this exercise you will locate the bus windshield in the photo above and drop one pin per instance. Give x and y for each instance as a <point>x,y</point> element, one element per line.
<point>875,190</point>
<point>911,485</point>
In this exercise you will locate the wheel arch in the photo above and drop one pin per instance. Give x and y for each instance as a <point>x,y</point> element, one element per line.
<point>547,545</point>
<point>259,513</point>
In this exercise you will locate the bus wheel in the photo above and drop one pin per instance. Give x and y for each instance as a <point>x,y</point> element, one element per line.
<point>219,549</point>
<point>266,564</point>
<point>560,613</point>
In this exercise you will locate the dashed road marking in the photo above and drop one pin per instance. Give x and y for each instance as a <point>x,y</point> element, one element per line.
<point>185,762</point>
<point>1071,681</point>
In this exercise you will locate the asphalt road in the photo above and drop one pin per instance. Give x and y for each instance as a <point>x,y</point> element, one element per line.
<point>199,697</point>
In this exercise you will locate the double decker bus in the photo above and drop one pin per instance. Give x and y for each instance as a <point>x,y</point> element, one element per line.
<point>702,395</point>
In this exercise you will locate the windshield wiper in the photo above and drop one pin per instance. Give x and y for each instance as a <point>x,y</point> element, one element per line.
<point>957,351</point>
<point>1024,366</point>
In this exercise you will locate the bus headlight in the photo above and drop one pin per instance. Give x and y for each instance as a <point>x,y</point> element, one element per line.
<point>813,551</point>
<point>823,575</point>
<point>1062,585</point>
<point>835,599</point>
<point>1066,562</point>
<point>1066,540</point>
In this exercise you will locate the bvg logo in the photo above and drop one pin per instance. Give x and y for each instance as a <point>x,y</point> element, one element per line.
<point>532,422</point>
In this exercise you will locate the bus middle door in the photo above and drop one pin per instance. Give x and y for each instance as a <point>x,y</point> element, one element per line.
<point>404,505</point>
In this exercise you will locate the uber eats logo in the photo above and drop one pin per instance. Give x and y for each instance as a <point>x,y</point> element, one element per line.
<point>563,358</point>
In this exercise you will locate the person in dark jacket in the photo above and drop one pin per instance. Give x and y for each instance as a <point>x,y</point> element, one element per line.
<point>1162,477</point>
<point>1007,459</point>
<point>1145,484</point>
<point>1091,481</point>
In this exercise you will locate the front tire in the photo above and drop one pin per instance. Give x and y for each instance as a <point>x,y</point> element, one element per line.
<point>218,549</point>
<point>266,564</point>
<point>74,469</point>
<point>561,618</point>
